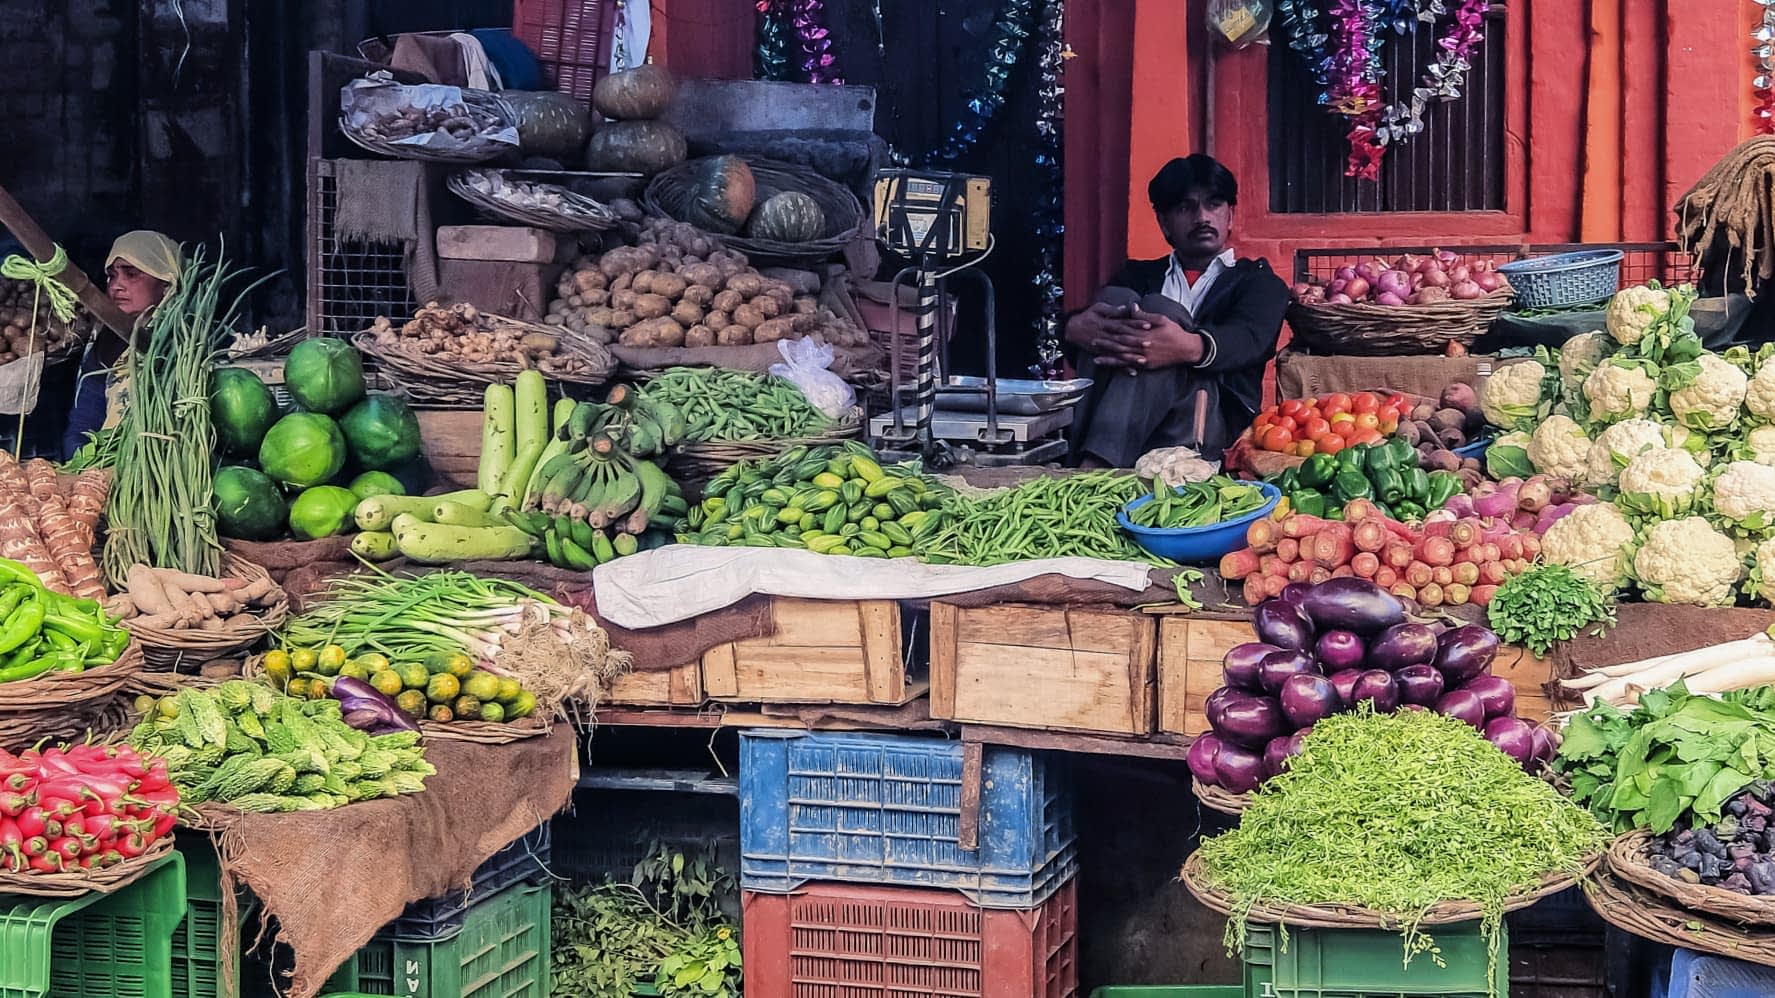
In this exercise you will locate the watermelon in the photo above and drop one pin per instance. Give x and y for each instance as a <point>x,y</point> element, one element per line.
<point>241,410</point>
<point>381,432</point>
<point>325,375</point>
<point>303,449</point>
<point>248,504</point>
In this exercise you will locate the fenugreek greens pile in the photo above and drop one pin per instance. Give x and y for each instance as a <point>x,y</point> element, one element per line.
<point>1396,813</point>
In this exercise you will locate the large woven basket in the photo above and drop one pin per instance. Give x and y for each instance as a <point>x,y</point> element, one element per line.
<point>578,213</point>
<point>1394,330</point>
<point>1629,859</point>
<point>54,691</point>
<point>101,718</point>
<point>1650,915</point>
<point>1331,916</point>
<point>1220,799</point>
<point>427,379</point>
<point>481,104</point>
<point>669,194</point>
<point>165,648</point>
<point>76,882</point>
<point>691,465</point>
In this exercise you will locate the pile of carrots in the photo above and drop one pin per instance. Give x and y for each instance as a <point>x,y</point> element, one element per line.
<point>1444,562</point>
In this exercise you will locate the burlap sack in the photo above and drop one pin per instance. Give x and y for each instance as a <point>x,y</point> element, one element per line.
<point>1647,630</point>
<point>333,878</point>
<point>329,555</point>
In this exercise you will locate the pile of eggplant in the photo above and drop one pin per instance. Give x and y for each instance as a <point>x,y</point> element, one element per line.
<point>1324,649</point>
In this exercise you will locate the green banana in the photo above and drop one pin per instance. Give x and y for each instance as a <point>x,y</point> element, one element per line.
<point>577,557</point>
<point>552,543</point>
<point>558,487</point>
<point>654,485</point>
<point>581,533</point>
<point>619,499</point>
<point>601,547</point>
<point>625,544</point>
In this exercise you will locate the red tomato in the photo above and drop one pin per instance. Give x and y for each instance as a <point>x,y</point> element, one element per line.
<point>1276,438</point>
<point>1316,427</point>
<point>1398,402</point>
<point>1366,436</point>
<point>1292,407</point>
<point>1286,422</point>
<point>1263,419</point>
<point>1364,402</point>
<point>1337,400</point>
<point>1343,418</point>
<point>1367,420</point>
<point>1330,443</point>
<point>1310,401</point>
<point>1389,424</point>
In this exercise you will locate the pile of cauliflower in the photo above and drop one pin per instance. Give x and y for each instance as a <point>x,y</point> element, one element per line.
<point>1680,441</point>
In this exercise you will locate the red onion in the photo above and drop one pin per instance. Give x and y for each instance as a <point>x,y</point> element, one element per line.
<point>1460,273</point>
<point>1388,298</point>
<point>1345,273</point>
<point>1465,291</point>
<point>1429,294</point>
<point>1446,258</point>
<point>1357,288</point>
<point>1435,277</point>
<point>1394,282</point>
<point>1299,290</point>
<point>1408,262</point>
<point>1489,280</point>
<point>1368,271</point>
<point>1337,286</point>
<point>1340,299</point>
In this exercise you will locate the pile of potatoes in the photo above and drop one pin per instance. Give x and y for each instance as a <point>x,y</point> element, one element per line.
<point>677,287</point>
<point>16,300</point>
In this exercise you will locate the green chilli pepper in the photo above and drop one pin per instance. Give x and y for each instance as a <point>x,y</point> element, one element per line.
<point>22,624</point>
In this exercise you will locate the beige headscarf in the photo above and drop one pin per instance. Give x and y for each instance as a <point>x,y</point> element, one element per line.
<point>149,252</point>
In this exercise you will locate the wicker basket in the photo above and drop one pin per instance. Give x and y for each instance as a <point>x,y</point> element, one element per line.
<point>1628,860</point>
<point>669,193</point>
<point>480,104</point>
<point>74,883</point>
<point>484,732</point>
<point>102,718</point>
<point>1565,279</point>
<point>1220,799</point>
<point>1333,916</point>
<point>692,465</point>
<point>1394,330</point>
<point>578,213</point>
<point>165,647</point>
<point>55,691</point>
<point>428,380</point>
<point>1650,915</point>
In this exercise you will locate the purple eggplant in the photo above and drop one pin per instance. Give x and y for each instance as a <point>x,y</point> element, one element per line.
<point>1377,687</point>
<point>1295,740</point>
<point>368,709</point>
<point>1201,756</point>
<point>1239,667</point>
<point>1278,666</point>
<point>1251,722</point>
<point>1465,652</point>
<point>1295,592</point>
<point>1352,604</point>
<point>1513,736</point>
<point>1495,692</point>
<point>1283,624</point>
<point>1402,645</point>
<point>1307,699</point>
<point>1338,650</point>
<point>1238,769</point>
<point>1463,705</point>
<point>1345,681</point>
<point>1276,755</point>
<point>1419,685</point>
<point>1544,747</point>
<point>1218,701</point>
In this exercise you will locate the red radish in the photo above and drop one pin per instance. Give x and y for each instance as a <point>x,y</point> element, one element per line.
<point>1345,273</point>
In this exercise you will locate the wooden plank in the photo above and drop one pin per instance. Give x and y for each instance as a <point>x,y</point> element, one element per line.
<point>1048,627</point>
<point>815,623</point>
<point>1190,651</point>
<point>884,671</point>
<point>680,686</point>
<point>1173,672</point>
<point>968,827</point>
<point>1057,741</point>
<point>945,620</point>
<point>720,672</point>
<point>823,651</point>
<point>451,442</point>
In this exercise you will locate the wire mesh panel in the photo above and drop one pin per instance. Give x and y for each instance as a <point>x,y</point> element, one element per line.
<point>1642,262</point>
<point>350,282</point>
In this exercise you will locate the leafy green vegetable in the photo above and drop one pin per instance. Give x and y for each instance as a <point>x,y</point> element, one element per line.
<point>1398,812</point>
<point>1197,504</point>
<point>1547,604</point>
<point>1674,755</point>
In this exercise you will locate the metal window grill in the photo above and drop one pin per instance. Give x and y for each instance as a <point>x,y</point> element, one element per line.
<point>1642,262</point>
<point>350,282</point>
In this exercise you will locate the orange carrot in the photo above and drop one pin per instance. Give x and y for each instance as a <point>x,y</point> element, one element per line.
<point>1288,549</point>
<point>1442,575</point>
<point>1238,564</point>
<point>1301,525</point>
<point>1300,571</point>
<point>1436,551</point>
<point>1531,546</point>
<point>1492,573</point>
<point>1333,548</point>
<point>1360,509</point>
<point>1397,555</point>
<point>1320,574</point>
<point>1430,595</point>
<point>1370,536</point>
<point>1365,564</point>
<point>1419,574</point>
<point>1509,547</point>
<point>1254,593</point>
<point>1457,594</point>
<point>1466,533</point>
<point>1269,564</point>
<point>1341,572</point>
<point>1438,528</point>
<point>1386,577</point>
<point>1481,595</point>
<point>1261,535</point>
<point>1404,591</point>
<point>1273,586</point>
<point>1466,573</point>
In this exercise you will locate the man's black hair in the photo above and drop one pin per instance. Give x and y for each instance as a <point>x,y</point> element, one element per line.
<point>1177,178</point>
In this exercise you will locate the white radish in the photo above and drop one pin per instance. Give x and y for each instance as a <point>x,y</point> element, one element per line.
<point>1758,645</point>
<point>1616,690</point>
<point>1737,676</point>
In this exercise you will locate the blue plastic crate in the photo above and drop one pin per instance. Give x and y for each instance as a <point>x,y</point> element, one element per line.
<point>886,809</point>
<point>525,860</point>
<point>1698,975</point>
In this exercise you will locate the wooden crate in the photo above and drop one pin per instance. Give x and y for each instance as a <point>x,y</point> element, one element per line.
<point>451,442</point>
<point>1190,650</point>
<point>1056,668</point>
<point>681,686</point>
<point>822,651</point>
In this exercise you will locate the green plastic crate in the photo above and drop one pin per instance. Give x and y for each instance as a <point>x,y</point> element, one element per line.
<point>116,945</point>
<point>1171,991</point>
<point>1368,963</point>
<point>199,968</point>
<point>502,951</point>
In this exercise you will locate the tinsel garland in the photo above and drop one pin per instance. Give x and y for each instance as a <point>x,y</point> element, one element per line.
<point>1049,215</point>
<point>1355,82</point>
<point>798,25</point>
<point>1010,30</point>
<point>1444,78</point>
<point>1763,85</point>
<point>770,61</point>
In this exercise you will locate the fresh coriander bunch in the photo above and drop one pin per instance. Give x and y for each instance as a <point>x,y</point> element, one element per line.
<point>1547,604</point>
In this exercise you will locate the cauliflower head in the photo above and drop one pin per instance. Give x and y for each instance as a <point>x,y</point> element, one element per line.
<point>1633,310</point>
<point>1616,392</point>
<point>1759,394</point>
<point>1744,495</point>
<point>1687,561</point>
<point>1712,402</point>
<point>1559,448</point>
<point>1660,483</point>
<point>1760,445</point>
<point>1618,444</point>
<point>1580,355</point>
<point>1513,394</point>
<point>1762,575</point>
<point>1594,541</point>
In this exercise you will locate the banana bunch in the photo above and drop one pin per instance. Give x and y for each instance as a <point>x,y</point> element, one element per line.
<point>574,544</point>
<point>641,425</point>
<point>830,500</point>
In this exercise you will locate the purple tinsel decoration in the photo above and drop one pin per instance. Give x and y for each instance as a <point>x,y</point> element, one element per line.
<point>819,64</point>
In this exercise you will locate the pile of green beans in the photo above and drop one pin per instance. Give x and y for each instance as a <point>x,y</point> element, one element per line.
<point>1073,516</point>
<point>726,405</point>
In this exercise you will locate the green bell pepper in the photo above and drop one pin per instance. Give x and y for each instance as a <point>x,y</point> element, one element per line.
<point>1403,453</point>
<point>1351,483</point>
<point>1349,459</point>
<point>1408,510</point>
<point>1417,484</point>
<point>1444,485</point>
<point>1317,471</point>
<point>1308,501</point>
<point>1389,485</point>
<point>1376,458</point>
<point>1288,481</point>
<point>1335,514</point>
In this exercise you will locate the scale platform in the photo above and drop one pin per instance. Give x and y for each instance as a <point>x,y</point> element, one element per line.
<point>1022,439</point>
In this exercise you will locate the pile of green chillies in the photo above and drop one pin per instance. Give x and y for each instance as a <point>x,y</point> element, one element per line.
<point>1072,516</point>
<point>726,405</point>
<point>43,631</point>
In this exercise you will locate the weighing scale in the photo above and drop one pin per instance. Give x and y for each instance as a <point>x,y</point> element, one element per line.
<point>942,221</point>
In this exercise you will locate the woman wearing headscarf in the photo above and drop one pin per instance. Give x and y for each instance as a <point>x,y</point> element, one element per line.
<point>141,267</point>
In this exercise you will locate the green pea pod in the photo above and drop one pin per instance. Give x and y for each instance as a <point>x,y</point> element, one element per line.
<point>22,624</point>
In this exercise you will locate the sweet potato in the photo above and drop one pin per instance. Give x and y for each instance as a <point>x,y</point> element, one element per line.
<point>748,315</point>
<point>772,330</point>
<point>687,314</point>
<point>699,335</point>
<point>652,306</point>
<point>669,285</point>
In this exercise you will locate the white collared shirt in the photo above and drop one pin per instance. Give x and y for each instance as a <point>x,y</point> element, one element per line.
<point>1179,289</point>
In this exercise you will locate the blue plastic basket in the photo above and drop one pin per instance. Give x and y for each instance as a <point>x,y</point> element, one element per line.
<point>1196,544</point>
<point>1564,278</point>
<point>1698,975</point>
<point>886,809</point>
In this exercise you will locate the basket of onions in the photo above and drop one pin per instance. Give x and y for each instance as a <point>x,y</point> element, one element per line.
<point>1411,305</point>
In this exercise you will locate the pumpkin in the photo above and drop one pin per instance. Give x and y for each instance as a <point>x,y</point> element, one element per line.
<point>721,195</point>
<point>635,94</point>
<point>636,147</point>
<point>549,124</point>
<point>788,217</point>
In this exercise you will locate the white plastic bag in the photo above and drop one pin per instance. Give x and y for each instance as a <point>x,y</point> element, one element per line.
<point>807,366</point>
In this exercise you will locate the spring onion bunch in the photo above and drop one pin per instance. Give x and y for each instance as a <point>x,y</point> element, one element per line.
<point>406,617</point>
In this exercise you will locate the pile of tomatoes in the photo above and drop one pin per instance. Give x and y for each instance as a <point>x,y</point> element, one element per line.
<point>1328,423</point>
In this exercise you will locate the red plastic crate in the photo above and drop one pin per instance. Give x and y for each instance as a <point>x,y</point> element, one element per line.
<point>854,941</point>
<point>571,38</point>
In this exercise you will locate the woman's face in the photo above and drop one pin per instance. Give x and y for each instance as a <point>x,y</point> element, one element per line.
<point>132,291</point>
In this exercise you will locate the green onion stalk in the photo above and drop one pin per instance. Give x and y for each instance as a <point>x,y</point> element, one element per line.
<point>406,617</point>
<point>161,508</point>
